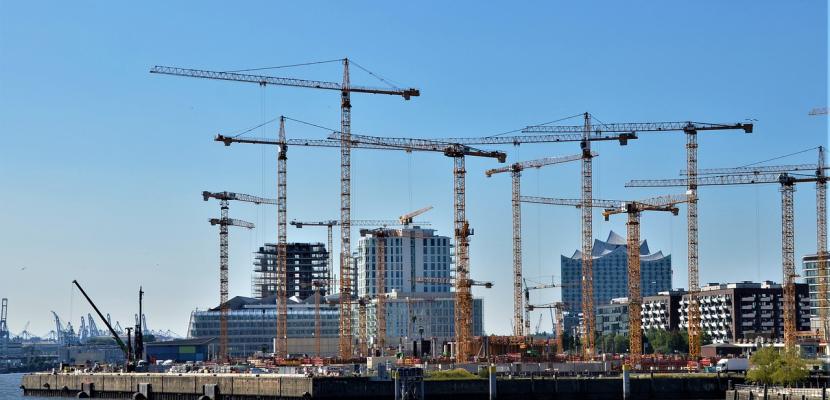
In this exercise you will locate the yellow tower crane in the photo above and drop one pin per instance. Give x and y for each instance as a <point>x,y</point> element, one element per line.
<point>346,89</point>
<point>515,170</point>
<point>787,182</point>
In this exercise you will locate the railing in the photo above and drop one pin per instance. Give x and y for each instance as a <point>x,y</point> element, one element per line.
<point>777,390</point>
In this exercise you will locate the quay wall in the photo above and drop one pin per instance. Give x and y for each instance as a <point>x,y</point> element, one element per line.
<point>249,387</point>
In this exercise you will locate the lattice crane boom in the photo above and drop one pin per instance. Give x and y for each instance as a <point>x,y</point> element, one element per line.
<point>787,183</point>
<point>406,219</point>
<point>515,169</point>
<point>224,222</point>
<point>346,89</point>
<point>589,131</point>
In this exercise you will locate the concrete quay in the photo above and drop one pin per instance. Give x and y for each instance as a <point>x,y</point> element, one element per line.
<point>250,387</point>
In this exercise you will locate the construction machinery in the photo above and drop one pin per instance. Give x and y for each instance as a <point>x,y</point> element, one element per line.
<point>224,222</point>
<point>635,299</point>
<point>406,219</point>
<point>633,209</point>
<point>515,170</point>
<point>559,323</point>
<point>4,327</point>
<point>128,354</point>
<point>690,129</point>
<point>345,88</point>
<point>527,308</point>
<point>787,183</point>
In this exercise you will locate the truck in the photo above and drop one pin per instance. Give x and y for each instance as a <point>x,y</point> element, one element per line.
<point>732,365</point>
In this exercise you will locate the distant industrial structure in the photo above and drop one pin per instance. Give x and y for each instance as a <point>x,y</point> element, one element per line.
<point>610,275</point>
<point>306,263</point>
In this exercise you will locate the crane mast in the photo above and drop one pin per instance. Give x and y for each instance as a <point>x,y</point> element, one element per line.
<point>516,174</point>
<point>281,337</point>
<point>787,187</point>
<point>692,238</point>
<point>345,347</point>
<point>224,222</point>
<point>821,248</point>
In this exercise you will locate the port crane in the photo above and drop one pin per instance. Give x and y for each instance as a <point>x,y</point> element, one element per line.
<point>515,170</point>
<point>787,184</point>
<point>224,222</point>
<point>346,89</point>
<point>4,327</point>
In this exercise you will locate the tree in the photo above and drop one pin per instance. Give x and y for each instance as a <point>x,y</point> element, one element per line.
<point>769,366</point>
<point>621,344</point>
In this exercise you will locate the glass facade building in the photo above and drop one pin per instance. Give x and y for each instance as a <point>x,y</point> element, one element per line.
<point>610,270</point>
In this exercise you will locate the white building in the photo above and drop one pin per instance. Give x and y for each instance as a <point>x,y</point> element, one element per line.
<point>411,253</point>
<point>810,265</point>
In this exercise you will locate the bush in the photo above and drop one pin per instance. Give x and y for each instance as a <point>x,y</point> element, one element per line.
<point>769,366</point>
<point>458,373</point>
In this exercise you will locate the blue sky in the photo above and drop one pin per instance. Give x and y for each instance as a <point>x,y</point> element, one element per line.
<point>102,163</point>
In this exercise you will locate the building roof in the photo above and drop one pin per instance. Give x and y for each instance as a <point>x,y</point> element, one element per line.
<point>617,244</point>
<point>184,342</point>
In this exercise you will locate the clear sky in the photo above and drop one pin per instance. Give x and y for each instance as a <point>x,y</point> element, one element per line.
<point>102,163</point>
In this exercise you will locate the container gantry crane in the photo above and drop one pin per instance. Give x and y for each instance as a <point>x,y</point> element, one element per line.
<point>787,183</point>
<point>515,170</point>
<point>346,89</point>
<point>633,209</point>
<point>224,222</point>
<point>690,129</point>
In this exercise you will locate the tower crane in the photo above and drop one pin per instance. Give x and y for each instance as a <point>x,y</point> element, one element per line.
<point>633,209</point>
<point>224,222</point>
<point>787,183</point>
<point>330,224</point>
<point>527,309</point>
<point>560,322</point>
<point>283,143</point>
<point>818,111</point>
<point>406,219</point>
<point>515,170</point>
<point>345,88</point>
<point>690,129</point>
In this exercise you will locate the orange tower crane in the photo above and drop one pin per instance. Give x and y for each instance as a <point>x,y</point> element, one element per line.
<point>527,307</point>
<point>463,294</point>
<point>224,222</point>
<point>515,170</point>
<point>633,209</point>
<point>787,182</point>
<point>590,129</point>
<point>346,89</point>
<point>453,150</point>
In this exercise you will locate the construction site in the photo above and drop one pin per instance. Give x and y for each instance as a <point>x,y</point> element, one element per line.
<point>383,298</point>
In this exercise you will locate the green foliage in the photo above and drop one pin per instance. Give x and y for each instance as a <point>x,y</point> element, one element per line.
<point>769,366</point>
<point>621,344</point>
<point>666,342</point>
<point>458,373</point>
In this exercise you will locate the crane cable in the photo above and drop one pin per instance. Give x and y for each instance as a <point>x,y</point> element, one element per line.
<point>284,66</point>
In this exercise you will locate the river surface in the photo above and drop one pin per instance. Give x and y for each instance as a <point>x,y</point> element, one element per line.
<point>10,388</point>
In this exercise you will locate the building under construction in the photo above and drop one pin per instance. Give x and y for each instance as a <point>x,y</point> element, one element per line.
<point>306,263</point>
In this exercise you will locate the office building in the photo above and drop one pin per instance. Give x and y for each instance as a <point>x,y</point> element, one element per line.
<point>306,263</point>
<point>810,266</point>
<point>610,270</point>
<point>612,318</point>
<point>747,310</point>
<point>411,253</point>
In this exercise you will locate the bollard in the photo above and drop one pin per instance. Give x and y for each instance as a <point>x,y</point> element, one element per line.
<point>491,376</point>
<point>626,382</point>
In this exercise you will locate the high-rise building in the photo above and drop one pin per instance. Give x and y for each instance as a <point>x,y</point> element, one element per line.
<point>305,264</point>
<point>610,274</point>
<point>747,310</point>
<point>411,253</point>
<point>612,318</point>
<point>810,266</point>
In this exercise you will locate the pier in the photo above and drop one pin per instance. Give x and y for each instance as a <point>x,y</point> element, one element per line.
<point>248,387</point>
